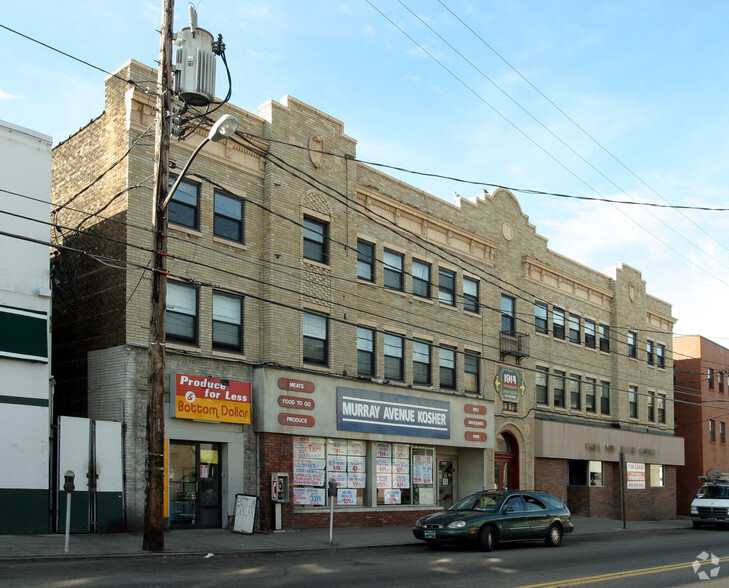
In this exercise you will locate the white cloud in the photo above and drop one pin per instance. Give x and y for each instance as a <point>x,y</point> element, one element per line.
<point>7,96</point>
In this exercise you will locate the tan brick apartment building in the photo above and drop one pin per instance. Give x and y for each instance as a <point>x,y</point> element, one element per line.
<point>410,349</point>
<point>701,386</point>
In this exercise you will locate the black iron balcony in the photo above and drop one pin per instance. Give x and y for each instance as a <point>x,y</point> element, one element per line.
<point>514,344</point>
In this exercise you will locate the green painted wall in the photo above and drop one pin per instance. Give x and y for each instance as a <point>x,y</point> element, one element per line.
<point>24,511</point>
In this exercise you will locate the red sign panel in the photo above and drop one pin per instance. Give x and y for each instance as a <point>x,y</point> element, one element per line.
<point>295,385</point>
<point>294,402</point>
<point>474,409</point>
<point>475,436</point>
<point>477,423</point>
<point>296,420</point>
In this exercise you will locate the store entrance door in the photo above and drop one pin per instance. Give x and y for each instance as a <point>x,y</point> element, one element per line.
<point>194,484</point>
<point>446,480</point>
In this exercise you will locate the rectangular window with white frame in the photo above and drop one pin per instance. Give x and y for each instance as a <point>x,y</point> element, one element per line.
<point>471,372</point>
<point>471,295</point>
<point>184,207</point>
<point>421,363</point>
<point>558,389</point>
<point>574,323</point>
<point>365,351</point>
<point>558,323</point>
<point>541,317</point>
<point>632,344</point>
<point>182,313</point>
<point>447,287</point>
<point>590,395</point>
<point>316,338</point>
<point>227,322</point>
<point>604,398</point>
<point>421,278</point>
<point>393,270</point>
<point>365,261</point>
<point>575,392</point>
<point>657,475</point>
<point>393,347</point>
<point>633,402</point>
<point>590,334</point>
<point>316,240</point>
<point>447,367</point>
<point>541,382</point>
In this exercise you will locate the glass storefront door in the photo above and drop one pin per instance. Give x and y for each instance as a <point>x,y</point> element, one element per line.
<point>194,484</point>
<point>446,481</point>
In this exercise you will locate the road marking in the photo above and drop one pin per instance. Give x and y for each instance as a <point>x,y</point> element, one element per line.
<point>616,575</point>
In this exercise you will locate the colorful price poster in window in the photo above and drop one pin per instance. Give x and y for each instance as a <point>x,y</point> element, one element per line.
<point>356,464</point>
<point>346,496</point>
<point>392,496</point>
<point>337,447</point>
<point>310,496</point>
<point>313,447</point>
<point>339,477</point>
<point>401,480</point>
<point>636,476</point>
<point>383,465</point>
<point>384,480</point>
<point>337,463</point>
<point>423,469</point>
<point>400,450</point>
<point>383,450</point>
<point>305,475</point>
<point>400,466</point>
<point>356,480</point>
<point>357,448</point>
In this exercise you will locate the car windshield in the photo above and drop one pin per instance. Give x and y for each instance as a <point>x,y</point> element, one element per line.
<point>477,502</point>
<point>713,492</point>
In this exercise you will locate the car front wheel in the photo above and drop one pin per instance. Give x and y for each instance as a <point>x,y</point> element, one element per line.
<point>487,538</point>
<point>554,537</point>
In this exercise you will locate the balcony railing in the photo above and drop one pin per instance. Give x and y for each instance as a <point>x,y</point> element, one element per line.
<point>514,344</point>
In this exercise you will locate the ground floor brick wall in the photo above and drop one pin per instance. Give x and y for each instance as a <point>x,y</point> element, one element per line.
<point>276,455</point>
<point>649,504</point>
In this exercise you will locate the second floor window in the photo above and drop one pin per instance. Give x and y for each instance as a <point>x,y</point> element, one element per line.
<point>605,398</point>
<point>558,394</point>
<point>660,356</point>
<point>604,335</point>
<point>228,221</point>
<point>471,372</point>
<point>447,367</point>
<point>590,394</point>
<point>421,278</point>
<point>633,402</point>
<point>393,269</point>
<point>316,339</point>
<point>661,408</point>
<point>393,357</point>
<point>365,351</point>
<point>421,363</point>
<point>575,392</point>
<point>183,208</point>
<point>181,312</point>
<point>365,261</point>
<point>447,287</point>
<point>227,322</point>
<point>316,240</point>
<point>541,379</point>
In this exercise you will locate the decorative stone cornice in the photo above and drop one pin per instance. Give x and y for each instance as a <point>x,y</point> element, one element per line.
<point>560,281</point>
<point>431,228</point>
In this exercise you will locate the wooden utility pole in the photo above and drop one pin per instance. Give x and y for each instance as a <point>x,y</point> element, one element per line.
<point>154,537</point>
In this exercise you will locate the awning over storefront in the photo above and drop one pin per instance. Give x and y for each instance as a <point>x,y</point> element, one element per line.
<point>569,440</point>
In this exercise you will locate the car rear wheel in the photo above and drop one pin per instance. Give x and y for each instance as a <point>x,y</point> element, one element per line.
<point>554,537</point>
<point>487,538</point>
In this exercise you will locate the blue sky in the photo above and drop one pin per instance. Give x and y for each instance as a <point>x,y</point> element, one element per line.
<point>608,99</point>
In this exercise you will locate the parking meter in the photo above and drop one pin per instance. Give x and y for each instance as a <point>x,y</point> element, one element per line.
<point>69,487</point>
<point>69,477</point>
<point>332,488</point>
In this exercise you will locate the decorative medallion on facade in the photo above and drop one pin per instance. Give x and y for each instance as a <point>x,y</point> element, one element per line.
<point>509,384</point>
<point>316,150</point>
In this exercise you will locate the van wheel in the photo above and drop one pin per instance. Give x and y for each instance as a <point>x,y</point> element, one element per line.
<point>554,537</point>
<point>487,538</point>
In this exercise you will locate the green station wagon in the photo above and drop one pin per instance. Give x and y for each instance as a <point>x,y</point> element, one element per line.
<point>488,517</point>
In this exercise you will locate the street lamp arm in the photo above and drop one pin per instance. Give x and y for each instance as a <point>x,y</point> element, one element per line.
<point>184,171</point>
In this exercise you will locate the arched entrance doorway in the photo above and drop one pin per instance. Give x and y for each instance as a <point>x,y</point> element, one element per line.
<point>506,462</point>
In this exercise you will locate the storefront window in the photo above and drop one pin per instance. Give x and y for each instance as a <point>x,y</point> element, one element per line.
<point>400,473</point>
<point>584,473</point>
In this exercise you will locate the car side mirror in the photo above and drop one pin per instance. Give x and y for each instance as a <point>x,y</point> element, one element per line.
<point>509,509</point>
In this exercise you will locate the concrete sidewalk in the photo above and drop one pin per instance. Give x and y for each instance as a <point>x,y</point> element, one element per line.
<point>219,542</point>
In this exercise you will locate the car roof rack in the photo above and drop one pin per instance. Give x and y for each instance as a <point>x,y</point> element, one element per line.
<point>714,477</point>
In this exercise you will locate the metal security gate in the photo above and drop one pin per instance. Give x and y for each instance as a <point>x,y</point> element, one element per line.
<point>92,450</point>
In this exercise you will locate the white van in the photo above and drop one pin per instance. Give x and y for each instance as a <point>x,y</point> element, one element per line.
<point>710,506</point>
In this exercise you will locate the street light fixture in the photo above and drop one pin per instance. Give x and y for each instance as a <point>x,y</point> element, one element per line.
<point>224,127</point>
